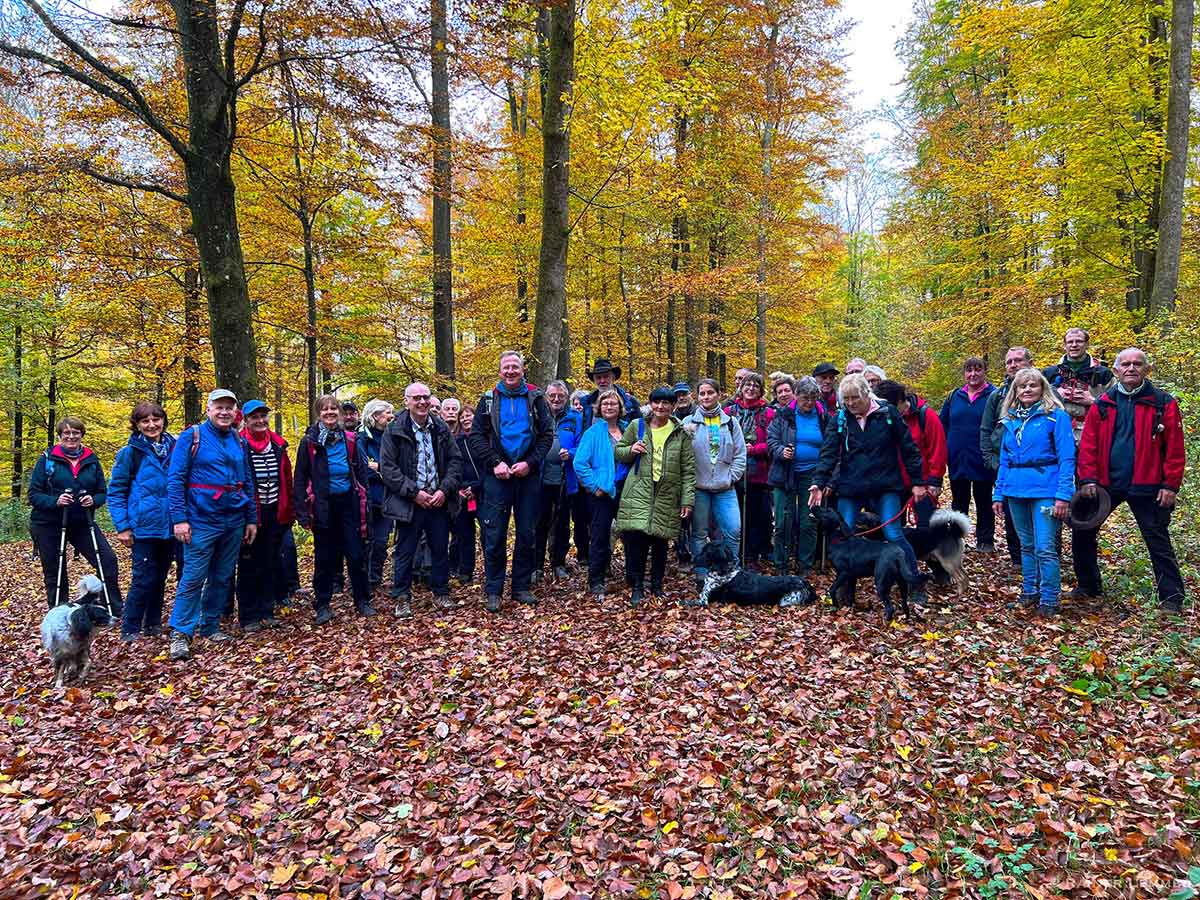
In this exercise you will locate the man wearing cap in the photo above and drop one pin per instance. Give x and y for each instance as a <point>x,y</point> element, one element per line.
<point>350,415</point>
<point>1132,447</point>
<point>826,374</point>
<point>210,489</point>
<point>605,375</point>
<point>685,405</point>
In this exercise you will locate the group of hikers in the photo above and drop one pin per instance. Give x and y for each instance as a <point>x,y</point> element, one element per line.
<point>1064,443</point>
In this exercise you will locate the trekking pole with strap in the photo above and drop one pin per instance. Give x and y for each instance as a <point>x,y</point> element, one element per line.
<point>99,565</point>
<point>62,555</point>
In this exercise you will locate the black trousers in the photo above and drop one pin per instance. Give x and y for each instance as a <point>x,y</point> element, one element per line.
<point>758,531</point>
<point>287,576</point>
<point>79,536</point>
<point>604,510</point>
<point>258,569</point>
<point>581,518</point>
<point>1154,523</point>
<point>151,563</point>
<point>340,539</point>
<point>961,492</point>
<point>1014,540</point>
<point>463,543</point>
<point>553,527</point>
<point>639,545</point>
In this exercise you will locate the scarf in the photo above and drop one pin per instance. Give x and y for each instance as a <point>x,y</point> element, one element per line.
<point>160,446</point>
<point>1022,414</point>
<point>259,444</point>
<point>327,436</point>
<point>1128,393</point>
<point>72,454</point>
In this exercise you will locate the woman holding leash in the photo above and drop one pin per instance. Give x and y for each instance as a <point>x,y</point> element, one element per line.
<point>1037,479</point>
<point>601,478</point>
<point>794,441</point>
<point>66,488</point>
<point>659,491</point>
<point>866,446</point>
<point>141,514</point>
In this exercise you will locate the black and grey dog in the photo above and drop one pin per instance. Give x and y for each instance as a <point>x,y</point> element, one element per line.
<point>67,631</point>
<point>726,582</point>
<point>941,543</point>
<point>854,557</point>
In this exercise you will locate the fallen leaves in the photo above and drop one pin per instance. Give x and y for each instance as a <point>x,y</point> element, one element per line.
<point>667,752</point>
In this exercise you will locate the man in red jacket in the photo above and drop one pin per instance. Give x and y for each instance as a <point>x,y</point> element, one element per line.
<point>1132,445</point>
<point>928,435</point>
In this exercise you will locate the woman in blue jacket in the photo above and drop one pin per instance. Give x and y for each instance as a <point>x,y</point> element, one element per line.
<point>1037,479</point>
<point>600,479</point>
<point>141,514</point>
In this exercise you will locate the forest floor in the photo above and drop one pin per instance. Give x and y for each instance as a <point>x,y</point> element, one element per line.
<point>579,750</point>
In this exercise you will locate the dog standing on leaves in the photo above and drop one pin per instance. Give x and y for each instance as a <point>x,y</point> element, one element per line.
<point>67,631</point>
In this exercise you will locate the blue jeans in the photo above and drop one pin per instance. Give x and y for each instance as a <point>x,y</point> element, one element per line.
<point>886,506</point>
<point>435,525</point>
<point>208,562</point>
<point>517,498</point>
<point>722,506</point>
<point>152,558</point>
<point>1039,552</point>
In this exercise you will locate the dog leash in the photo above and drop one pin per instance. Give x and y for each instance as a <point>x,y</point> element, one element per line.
<point>907,505</point>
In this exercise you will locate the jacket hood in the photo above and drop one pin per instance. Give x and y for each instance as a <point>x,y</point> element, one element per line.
<point>57,452</point>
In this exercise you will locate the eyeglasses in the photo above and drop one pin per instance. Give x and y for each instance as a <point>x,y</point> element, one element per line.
<point>419,398</point>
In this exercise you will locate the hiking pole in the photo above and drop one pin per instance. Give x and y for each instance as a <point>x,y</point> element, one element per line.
<point>62,556</point>
<point>824,539</point>
<point>745,537</point>
<point>99,566</point>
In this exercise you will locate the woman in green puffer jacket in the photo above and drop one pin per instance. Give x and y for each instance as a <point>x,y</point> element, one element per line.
<point>659,491</point>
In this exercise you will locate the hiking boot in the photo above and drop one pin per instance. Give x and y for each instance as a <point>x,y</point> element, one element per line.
<point>1047,612</point>
<point>597,590</point>
<point>154,633</point>
<point>403,608</point>
<point>324,615</point>
<point>535,577</point>
<point>560,573</point>
<point>656,590</point>
<point>1027,601</point>
<point>443,601</point>
<point>129,636</point>
<point>636,598</point>
<point>254,627</point>
<point>1173,607</point>
<point>271,622</point>
<point>1084,594</point>
<point>181,646</point>
<point>685,565</point>
<point>220,636</point>
<point>493,603</point>
<point>985,548</point>
<point>365,609</point>
<point>527,598</point>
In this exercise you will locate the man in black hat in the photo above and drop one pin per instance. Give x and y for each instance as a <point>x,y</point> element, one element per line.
<point>605,375</point>
<point>1132,446</point>
<point>826,374</point>
<point>350,416</point>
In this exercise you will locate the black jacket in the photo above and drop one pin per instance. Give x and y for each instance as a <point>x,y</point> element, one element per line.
<point>398,466</point>
<point>310,487</point>
<point>484,439</point>
<point>472,477</point>
<point>870,458</point>
<point>54,473</point>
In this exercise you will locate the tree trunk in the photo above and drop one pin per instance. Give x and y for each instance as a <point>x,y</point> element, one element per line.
<point>310,296</point>
<point>191,338</point>
<point>625,296</point>
<point>18,414</point>
<point>681,252</point>
<point>1170,223</point>
<point>51,401</point>
<point>518,120</point>
<point>278,404</point>
<point>1141,288</point>
<point>557,79</point>
<point>764,206</point>
<point>443,298</point>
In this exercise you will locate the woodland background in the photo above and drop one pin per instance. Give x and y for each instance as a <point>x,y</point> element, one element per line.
<point>391,182</point>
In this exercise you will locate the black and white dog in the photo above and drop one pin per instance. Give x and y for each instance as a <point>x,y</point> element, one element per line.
<point>854,557</point>
<point>942,541</point>
<point>726,582</point>
<point>67,631</point>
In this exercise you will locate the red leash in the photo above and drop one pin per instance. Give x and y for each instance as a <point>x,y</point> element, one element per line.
<point>908,503</point>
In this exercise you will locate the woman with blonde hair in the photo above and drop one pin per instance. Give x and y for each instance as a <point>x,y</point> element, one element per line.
<point>1037,479</point>
<point>601,478</point>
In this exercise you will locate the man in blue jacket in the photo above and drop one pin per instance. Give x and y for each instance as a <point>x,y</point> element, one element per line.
<point>509,440</point>
<point>210,487</point>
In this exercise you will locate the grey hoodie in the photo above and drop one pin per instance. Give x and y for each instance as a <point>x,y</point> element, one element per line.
<point>731,458</point>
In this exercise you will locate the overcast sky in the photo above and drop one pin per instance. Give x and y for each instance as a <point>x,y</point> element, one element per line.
<point>875,71</point>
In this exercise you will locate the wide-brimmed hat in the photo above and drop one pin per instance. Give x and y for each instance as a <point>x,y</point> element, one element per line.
<point>602,366</point>
<point>1089,513</point>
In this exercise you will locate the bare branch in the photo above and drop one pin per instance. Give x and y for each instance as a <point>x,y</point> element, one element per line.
<point>132,184</point>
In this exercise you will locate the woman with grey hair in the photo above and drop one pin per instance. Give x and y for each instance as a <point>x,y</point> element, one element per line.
<point>794,440</point>
<point>874,375</point>
<point>375,418</point>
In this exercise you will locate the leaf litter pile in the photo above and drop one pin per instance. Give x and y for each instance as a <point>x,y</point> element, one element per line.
<point>580,750</point>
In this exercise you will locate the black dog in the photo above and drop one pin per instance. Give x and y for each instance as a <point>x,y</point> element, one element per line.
<point>941,543</point>
<point>855,557</point>
<point>727,583</point>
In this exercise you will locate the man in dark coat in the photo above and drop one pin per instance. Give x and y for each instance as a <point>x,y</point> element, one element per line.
<point>421,472</point>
